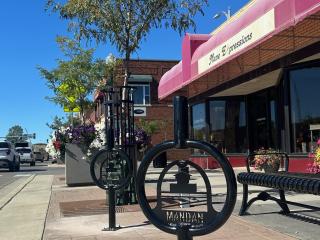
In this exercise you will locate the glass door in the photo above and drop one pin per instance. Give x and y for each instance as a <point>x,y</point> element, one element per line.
<point>262,112</point>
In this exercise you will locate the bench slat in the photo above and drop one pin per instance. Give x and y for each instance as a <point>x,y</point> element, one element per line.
<point>302,183</point>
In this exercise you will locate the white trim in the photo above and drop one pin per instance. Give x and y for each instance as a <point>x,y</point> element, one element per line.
<point>243,39</point>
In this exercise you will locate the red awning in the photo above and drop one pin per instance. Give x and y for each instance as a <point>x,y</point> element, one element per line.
<point>171,80</point>
<point>202,54</point>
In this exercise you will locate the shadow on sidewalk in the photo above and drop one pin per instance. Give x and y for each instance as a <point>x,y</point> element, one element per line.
<point>301,215</point>
<point>137,225</point>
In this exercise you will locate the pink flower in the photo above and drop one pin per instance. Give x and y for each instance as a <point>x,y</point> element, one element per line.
<point>57,145</point>
<point>313,168</point>
<point>318,141</point>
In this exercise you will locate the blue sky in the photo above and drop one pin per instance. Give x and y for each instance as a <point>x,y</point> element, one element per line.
<point>27,39</point>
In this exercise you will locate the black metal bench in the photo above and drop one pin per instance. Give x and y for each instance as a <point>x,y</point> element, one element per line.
<point>282,181</point>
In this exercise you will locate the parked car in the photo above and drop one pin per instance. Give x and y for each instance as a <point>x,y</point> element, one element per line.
<point>38,156</point>
<point>54,160</point>
<point>23,145</point>
<point>9,158</point>
<point>26,155</point>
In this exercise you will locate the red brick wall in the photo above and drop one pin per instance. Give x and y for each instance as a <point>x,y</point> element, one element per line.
<point>156,111</point>
<point>163,112</point>
<point>156,68</point>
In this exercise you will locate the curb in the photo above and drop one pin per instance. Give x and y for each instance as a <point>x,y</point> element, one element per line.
<point>7,198</point>
<point>56,165</point>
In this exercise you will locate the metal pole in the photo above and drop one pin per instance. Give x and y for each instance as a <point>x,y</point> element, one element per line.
<point>112,210</point>
<point>181,129</point>
<point>185,198</point>
<point>183,233</point>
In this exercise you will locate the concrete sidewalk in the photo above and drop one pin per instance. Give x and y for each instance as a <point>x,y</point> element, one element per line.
<point>77,213</point>
<point>43,207</point>
<point>11,190</point>
<point>135,226</point>
<point>24,215</point>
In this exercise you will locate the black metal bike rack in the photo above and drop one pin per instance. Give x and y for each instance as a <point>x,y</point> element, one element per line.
<point>107,172</point>
<point>112,167</point>
<point>185,224</point>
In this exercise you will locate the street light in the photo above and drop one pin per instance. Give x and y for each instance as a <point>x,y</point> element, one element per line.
<point>227,14</point>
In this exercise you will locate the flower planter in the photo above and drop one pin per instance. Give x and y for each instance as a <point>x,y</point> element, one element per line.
<point>267,160</point>
<point>271,168</point>
<point>77,165</point>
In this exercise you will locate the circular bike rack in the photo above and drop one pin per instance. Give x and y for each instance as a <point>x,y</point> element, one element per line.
<point>214,219</point>
<point>199,217</point>
<point>111,170</point>
<point>107,168</point>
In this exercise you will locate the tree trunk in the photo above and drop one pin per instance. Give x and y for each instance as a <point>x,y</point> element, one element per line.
<point>82,110</point>
<point>124,90</point>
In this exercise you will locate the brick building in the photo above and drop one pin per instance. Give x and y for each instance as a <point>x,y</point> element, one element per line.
<point>145,76</point>
<point>254,81</point>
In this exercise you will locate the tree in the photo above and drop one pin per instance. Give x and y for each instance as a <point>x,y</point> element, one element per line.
<point>75,78</point>
<point>61,122</point>
<point>125,23</point>
<point>15,134</point>
<point>149,126</point>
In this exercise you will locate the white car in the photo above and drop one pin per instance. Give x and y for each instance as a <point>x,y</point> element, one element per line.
<point>26,155</point>
<point>9,158</point>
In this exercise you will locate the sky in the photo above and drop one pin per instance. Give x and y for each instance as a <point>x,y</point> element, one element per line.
<point>27,40</point>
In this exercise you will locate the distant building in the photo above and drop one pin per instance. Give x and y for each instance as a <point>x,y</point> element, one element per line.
<point>145,76</point>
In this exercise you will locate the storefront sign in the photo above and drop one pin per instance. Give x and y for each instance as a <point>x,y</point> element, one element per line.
<point>140,111</point>
<point>246,37</point>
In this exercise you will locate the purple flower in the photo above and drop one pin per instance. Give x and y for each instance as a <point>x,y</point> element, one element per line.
<point>141,136</point>
<point>79,134</point>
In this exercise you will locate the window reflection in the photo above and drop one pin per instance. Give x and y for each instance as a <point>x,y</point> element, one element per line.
<point>262,112</point>
<point>305,113</point>
<point>227,128</point>
<point>217,124</point>
<point>228,125</point>
<point>141,94</point>
<point>199,122</point>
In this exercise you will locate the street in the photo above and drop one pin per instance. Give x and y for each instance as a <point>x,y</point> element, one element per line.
<point>45,168</point>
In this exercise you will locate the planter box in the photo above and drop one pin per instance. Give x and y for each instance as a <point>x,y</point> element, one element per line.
<point>77,165</point>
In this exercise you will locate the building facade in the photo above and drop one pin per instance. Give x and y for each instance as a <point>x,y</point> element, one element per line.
<point>144,77</point>
<point>253,83</point>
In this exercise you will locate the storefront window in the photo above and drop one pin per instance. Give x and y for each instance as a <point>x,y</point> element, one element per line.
<point>228,125</point>
<point>305,112</point>
<point>217,112</point>
<point>262,112</point>
<point>274,143</point>
<point>199,122</point>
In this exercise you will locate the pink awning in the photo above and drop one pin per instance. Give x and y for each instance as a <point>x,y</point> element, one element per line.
<point>273,16</point>
<point>171,81</point>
